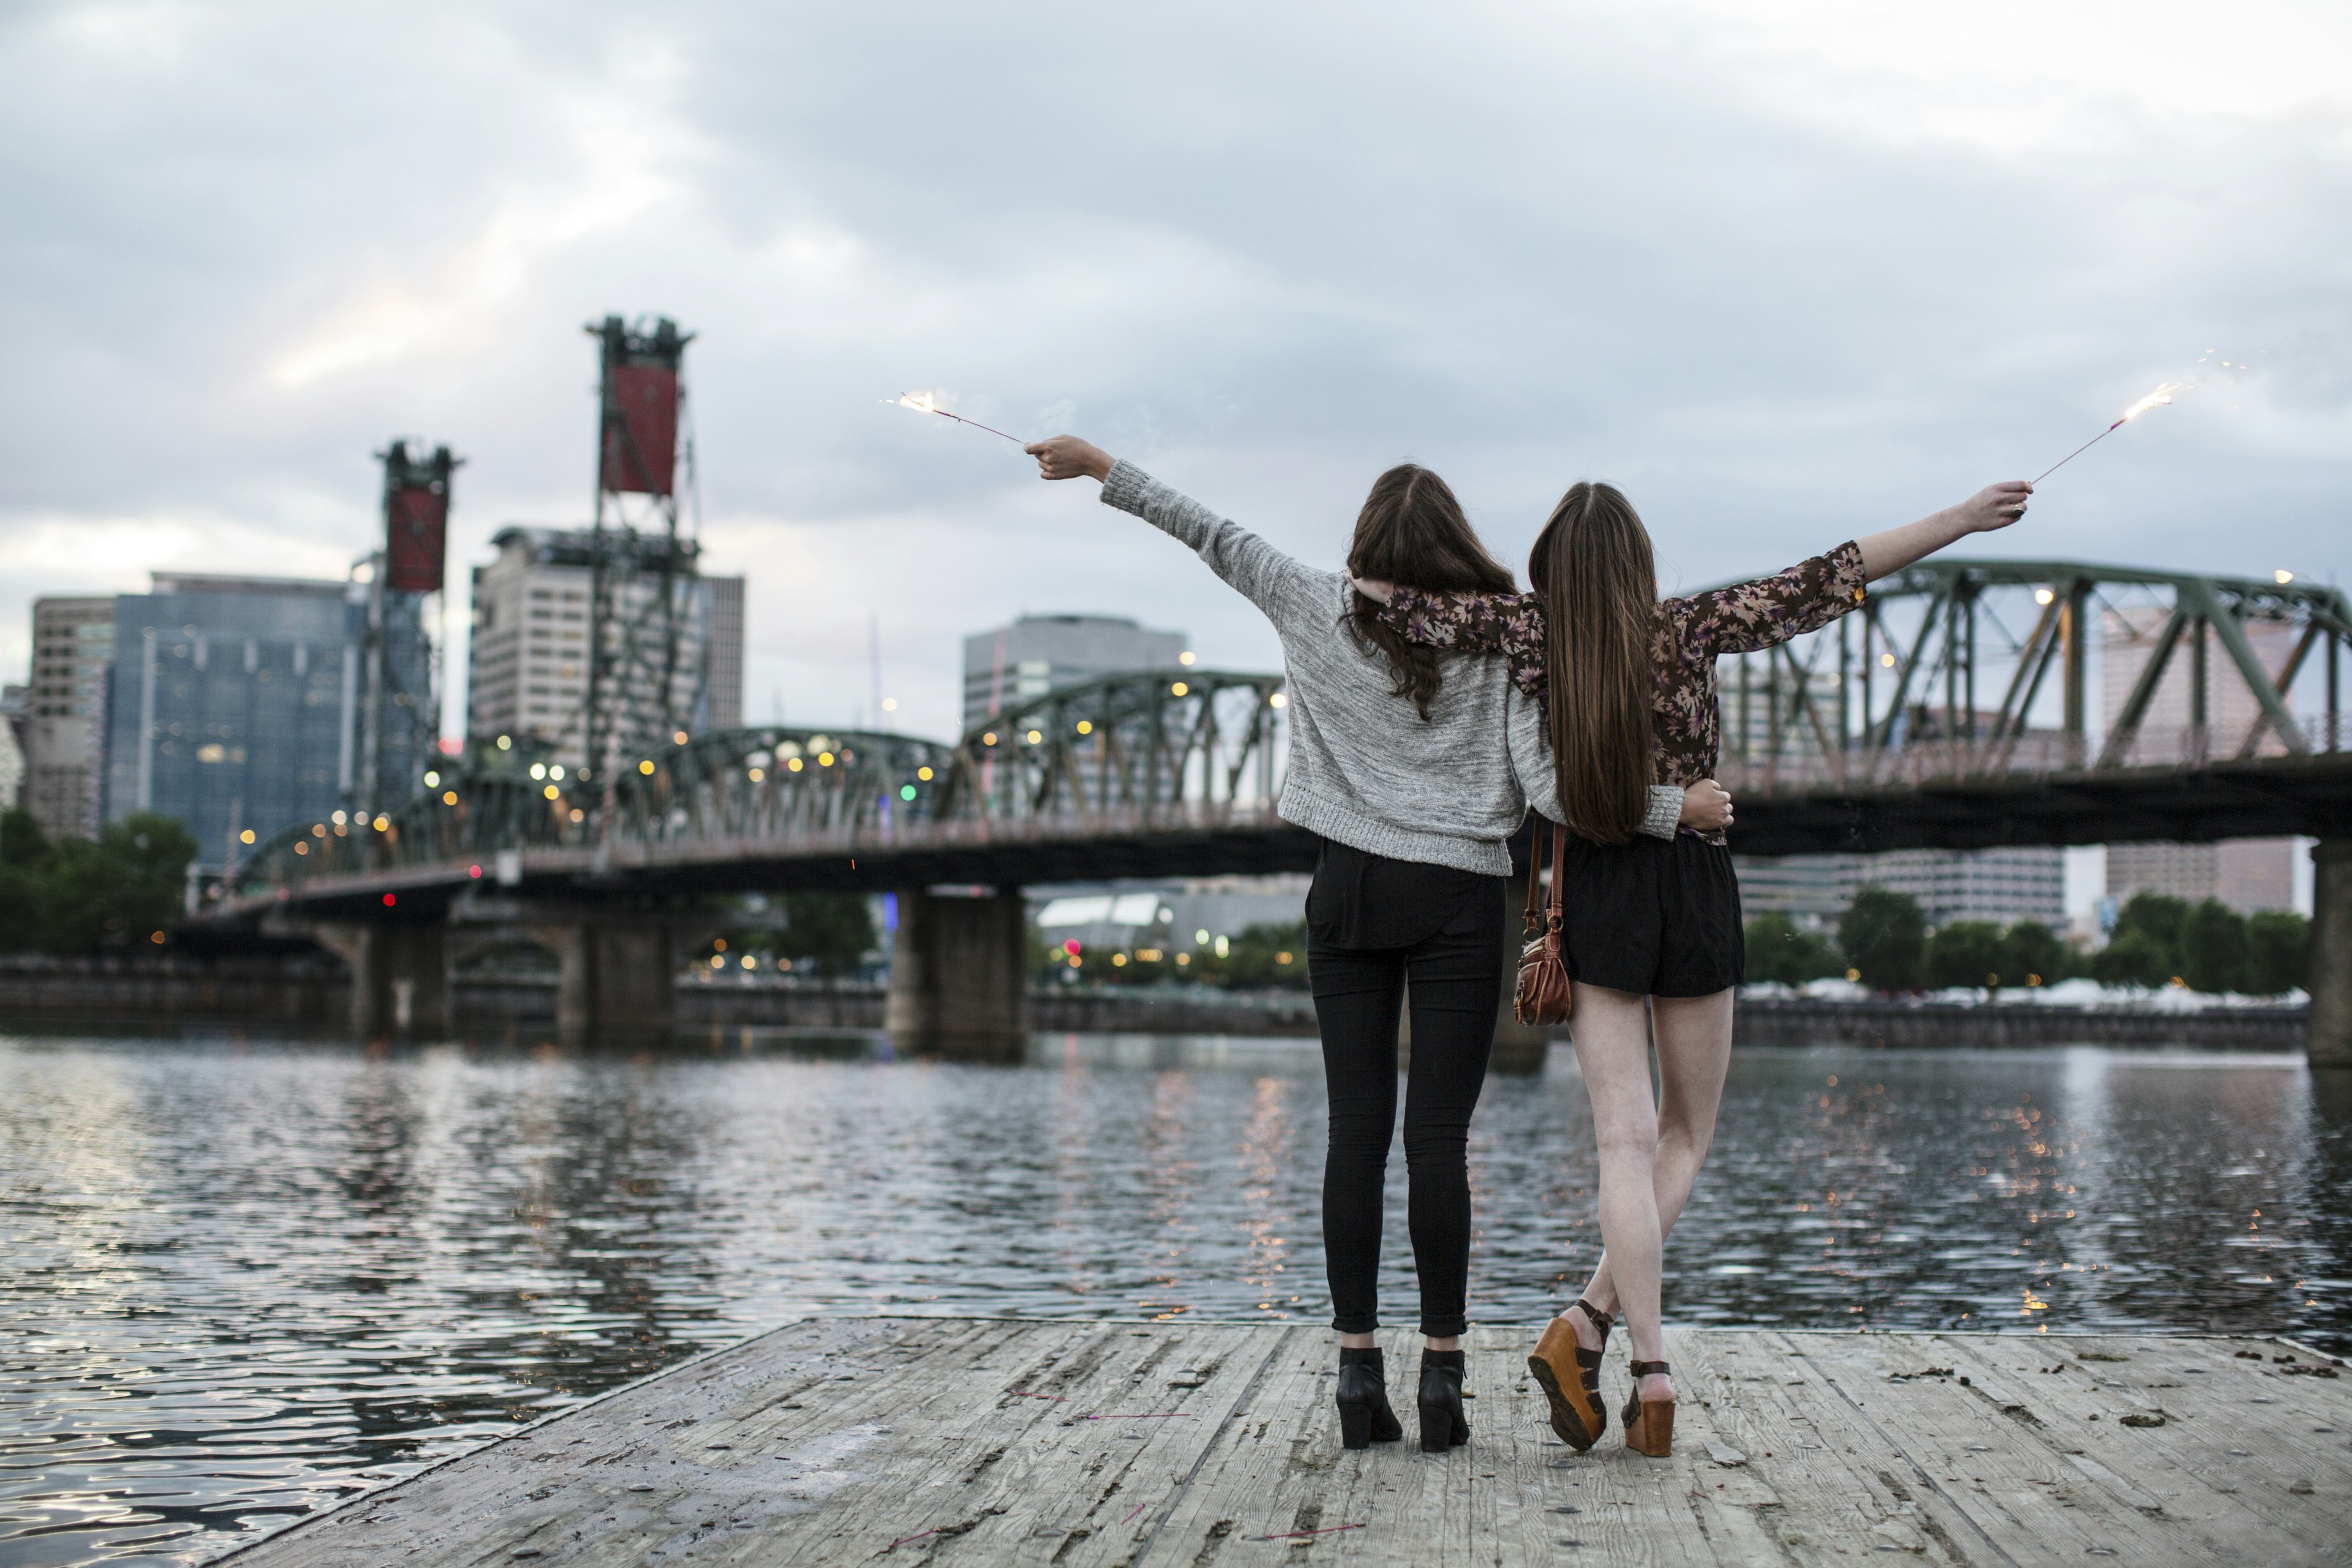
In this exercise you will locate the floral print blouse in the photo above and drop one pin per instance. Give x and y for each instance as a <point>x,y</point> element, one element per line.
<point>1745,618</point>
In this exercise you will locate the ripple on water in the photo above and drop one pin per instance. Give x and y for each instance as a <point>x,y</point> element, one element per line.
<point>245,1280</point>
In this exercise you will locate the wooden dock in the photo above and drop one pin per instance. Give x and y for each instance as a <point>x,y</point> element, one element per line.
<point>1191,1444</point>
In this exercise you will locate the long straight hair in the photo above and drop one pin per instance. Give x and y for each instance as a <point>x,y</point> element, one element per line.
<point>1412,531</point>
<point>1593,570</point>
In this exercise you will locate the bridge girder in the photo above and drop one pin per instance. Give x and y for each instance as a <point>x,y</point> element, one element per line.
<point>1853,710</point>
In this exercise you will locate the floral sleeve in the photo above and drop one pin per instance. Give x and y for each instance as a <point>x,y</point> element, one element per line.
<point>1748,617</point>
<point>1510,624</point>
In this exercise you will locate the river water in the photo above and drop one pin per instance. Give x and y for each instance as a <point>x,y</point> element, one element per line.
<point>244,1276</point>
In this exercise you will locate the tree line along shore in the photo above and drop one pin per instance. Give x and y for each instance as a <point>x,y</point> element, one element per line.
<point>124,891</point>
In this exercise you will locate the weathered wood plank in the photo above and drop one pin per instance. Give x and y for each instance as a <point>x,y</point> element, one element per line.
<point>2196,1475</point>
<point>1980,1446</point>
<point>1192,1444</point>
<point>1630,1509</point>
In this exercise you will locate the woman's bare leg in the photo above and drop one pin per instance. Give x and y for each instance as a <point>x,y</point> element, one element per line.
<point>1693,1055</point>
<point>1611,1033</point>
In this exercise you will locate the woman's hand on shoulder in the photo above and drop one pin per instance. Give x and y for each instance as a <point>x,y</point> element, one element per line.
<point>1706,806</point>
<point>1377,589</point>
<point>1069,457</point>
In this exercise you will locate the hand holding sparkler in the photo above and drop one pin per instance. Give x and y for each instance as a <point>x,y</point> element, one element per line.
<point>1068,457</point>
<point>1993,507</point>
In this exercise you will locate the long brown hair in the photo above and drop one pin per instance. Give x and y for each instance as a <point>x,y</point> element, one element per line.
<point>1592,568</point>
<point>1412,531</point>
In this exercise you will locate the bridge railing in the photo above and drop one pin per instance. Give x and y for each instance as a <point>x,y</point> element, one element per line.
<point>2036,754</point>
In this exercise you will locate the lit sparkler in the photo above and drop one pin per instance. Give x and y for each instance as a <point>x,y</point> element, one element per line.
<point>925,403</point>
<point>2162,395</point>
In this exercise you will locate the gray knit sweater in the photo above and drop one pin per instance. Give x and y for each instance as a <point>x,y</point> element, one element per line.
<point>1364,767</point>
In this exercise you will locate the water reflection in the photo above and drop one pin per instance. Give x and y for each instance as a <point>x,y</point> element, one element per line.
<point>249,1276</point>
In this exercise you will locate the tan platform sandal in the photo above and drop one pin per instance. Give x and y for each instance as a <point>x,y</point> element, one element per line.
<point>1649,1423</point>
<point>1570,1376</point>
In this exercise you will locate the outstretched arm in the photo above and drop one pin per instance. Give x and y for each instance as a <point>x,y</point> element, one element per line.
<point>1992,508</point>
<point>1271,580</point>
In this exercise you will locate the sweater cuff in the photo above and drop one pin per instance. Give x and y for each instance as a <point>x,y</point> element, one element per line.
<point>1665,811</point>
<point>1124,486</point>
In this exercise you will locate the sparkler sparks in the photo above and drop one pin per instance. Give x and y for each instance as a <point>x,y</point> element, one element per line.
<point>2162,395</point>
<point>928,403</point>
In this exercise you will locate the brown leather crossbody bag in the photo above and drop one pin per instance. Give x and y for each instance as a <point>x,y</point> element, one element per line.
<point>1544,996</point>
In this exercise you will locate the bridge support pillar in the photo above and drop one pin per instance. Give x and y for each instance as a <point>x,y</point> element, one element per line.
<point>400,976</point>
<point>2327,1032</point>
<point>959,975</point>
<point>617,979</point>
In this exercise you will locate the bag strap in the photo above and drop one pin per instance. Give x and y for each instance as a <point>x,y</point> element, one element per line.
<point>1535,874</point>
<point>1539,904</point>
<point>1558,879</point>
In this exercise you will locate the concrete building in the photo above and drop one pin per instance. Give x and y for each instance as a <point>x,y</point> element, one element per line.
<point>1813,890</point>
<point>2002,886</point>
<point>1037,653</point>
<point>726,684</point>
<point>2245,874</point>
<point>65,729</point>
<point>232,705</point>
<point>528,664</point>
<point>13,702</point>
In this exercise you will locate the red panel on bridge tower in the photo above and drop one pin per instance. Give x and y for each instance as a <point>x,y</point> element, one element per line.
<point>417,519</point>
<point>641,429</point>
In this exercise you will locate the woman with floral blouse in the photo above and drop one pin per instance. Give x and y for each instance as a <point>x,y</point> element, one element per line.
<point>1652,929</point>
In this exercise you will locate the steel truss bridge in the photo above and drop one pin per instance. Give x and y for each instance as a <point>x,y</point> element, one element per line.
<point>1959,709</point>
<point>1162,773</point>
<point>1955,710</point>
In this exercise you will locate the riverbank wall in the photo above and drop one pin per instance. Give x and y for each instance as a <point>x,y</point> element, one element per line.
<point>316,994</point>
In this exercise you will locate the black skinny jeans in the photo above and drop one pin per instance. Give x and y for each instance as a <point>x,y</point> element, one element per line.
<point>1372,923</point>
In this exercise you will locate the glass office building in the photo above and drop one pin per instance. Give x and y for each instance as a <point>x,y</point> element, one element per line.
<point>231,705</point>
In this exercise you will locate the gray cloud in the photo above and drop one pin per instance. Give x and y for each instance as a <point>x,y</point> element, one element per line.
<point>1783,285</point>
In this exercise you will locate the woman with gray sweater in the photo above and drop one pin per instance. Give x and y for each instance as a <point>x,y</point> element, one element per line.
<point>1414,776</point>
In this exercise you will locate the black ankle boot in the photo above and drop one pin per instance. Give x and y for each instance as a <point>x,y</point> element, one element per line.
<point>1365,1417</point>
<point>1441,1423</point>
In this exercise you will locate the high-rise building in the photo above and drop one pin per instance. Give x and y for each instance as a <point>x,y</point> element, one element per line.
<point>1814,890</point>
<point>726,687</point>
<point>232,705</point>
<point>13,702</point>
<point>528,667</point>
<point>2001,886</point>
<point>2247,873</point>
<point>73,644</point>
<point>1038,653</point>
<point>2244,873</point>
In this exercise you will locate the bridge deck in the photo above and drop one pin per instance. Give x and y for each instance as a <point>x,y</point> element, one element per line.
<point>899,1440</point>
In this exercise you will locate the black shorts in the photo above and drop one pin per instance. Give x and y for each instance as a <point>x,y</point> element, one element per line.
<point>1655,917</point>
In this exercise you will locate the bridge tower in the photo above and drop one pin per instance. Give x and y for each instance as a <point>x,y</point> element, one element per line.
<point>399,716</point>
<point>646,654</point>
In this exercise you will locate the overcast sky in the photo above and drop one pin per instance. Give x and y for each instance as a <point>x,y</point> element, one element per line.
<point>1782,281</point>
